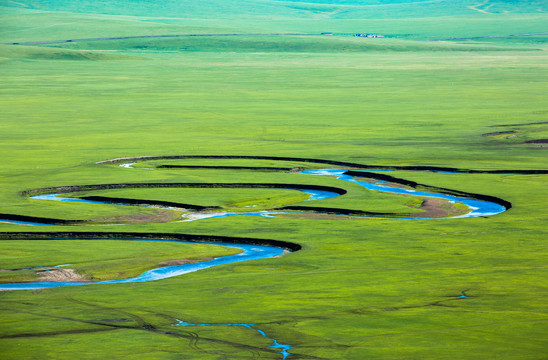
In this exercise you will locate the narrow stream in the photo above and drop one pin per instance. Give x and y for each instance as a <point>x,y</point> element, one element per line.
<point>253,252</point>
<point>477,207</point>
<point>250,252</point>
<point>281,348</point>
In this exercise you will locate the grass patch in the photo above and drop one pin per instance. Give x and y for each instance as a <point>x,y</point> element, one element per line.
<point>41,53</point>
<point>96,260</point>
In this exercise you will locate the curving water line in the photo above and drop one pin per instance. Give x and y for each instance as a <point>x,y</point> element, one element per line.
<point>249,252</point>
<point>477,207</point>
<point>280,348</point>
<point>252,252</point>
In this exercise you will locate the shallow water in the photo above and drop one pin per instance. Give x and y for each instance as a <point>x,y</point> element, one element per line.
<point>313,195</point>
<point>59,197</point>
<point>319,194</point>
<point>477,207</point>
<point>250,252</point>
<point>283,348</point>
<point>221,214</point>
<point>17,222</point>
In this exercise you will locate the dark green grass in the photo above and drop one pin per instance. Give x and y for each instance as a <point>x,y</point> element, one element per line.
<point>15,52</point>
<point>278,43</point>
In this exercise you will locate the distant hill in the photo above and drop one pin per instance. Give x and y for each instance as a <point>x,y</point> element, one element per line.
<point>44,20</point>
<point>287,9</point>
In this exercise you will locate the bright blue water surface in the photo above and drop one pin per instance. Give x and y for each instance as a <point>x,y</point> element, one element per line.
<point>477,207</point>
<point>319,194</point>
<point>24,222</point>
<point>250,252</point>
<point>58,197</point>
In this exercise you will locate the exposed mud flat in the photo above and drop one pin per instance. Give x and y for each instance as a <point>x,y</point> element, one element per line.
<point>250,250</point>
<point>157,217</point>
<point>367,180</point>
<point>397,185</point>
<point>436,202</point>
<point>60,275</point>
<point>437,208</point>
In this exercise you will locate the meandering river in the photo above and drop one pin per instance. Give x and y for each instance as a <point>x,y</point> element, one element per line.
<point>477,206</point>
<point>253,252</point>
<point>249,252</point>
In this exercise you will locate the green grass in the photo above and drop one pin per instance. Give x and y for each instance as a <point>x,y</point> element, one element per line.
<point>303,10</point>
<point>360,288</point>
<point>227,198</point>
<point>88,258</point>
<point>260,199</point>
<point>268,44</point>
<point>20,24</point>
<point>13,52</point>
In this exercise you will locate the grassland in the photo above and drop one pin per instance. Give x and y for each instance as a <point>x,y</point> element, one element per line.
<point>95,264</point>
<point>360,288</point>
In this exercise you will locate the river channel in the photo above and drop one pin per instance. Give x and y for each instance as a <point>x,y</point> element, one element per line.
<point>253,252</point>
<point>476,208</point>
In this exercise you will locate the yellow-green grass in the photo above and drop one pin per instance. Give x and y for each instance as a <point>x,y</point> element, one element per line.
<point>226,198</point>
<point>360,288</point>
<point>97,260</point>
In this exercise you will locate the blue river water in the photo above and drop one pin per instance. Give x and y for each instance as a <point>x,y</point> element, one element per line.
<point>58,197</point>
<point>253,252</point>
<point>19,222</point>
<point>249,252</point>
<point>313,195</point>
<point>477,207</point>
<point>281,348</point>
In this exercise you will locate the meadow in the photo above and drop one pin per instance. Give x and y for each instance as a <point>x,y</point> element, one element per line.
<point>360,288</point>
